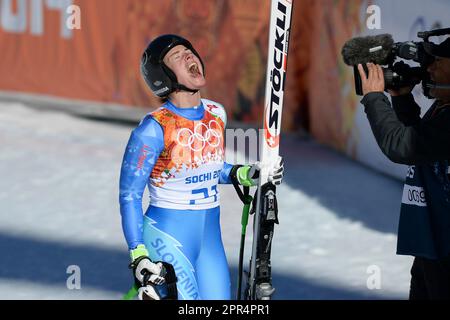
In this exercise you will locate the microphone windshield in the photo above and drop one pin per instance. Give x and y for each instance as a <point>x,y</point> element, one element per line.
<point>376,49</point>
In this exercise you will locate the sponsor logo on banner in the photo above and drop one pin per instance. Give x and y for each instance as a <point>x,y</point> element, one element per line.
<point>413,195</point>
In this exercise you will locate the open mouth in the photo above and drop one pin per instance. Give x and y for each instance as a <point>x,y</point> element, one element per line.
<point>194,70</point>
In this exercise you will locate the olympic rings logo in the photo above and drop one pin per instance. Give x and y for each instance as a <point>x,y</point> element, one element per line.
<point>196,141</point>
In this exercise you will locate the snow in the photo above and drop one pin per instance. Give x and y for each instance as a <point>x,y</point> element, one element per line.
<point>59,207</point>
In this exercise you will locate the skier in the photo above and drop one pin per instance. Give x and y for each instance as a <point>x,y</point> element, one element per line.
<point>178,151</point>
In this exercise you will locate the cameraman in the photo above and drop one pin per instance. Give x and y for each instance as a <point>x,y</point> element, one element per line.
<point>424,144</point>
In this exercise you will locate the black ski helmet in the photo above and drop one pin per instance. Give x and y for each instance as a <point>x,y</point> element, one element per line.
<point>161,80</point>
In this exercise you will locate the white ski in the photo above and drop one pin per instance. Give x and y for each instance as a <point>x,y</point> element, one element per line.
<point>266,212</point>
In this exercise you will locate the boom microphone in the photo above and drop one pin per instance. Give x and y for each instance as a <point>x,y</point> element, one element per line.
<point>376,49</point>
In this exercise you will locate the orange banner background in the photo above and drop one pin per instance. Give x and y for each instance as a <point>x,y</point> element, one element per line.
<point>100,62</point>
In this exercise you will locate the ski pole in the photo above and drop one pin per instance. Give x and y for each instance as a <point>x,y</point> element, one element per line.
<point>244,221</point>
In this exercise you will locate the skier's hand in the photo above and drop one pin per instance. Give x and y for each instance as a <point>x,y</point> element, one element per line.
<point>148,293</point>
<point>277,171</point>
<point>144,270</point>
<point>249,175</point>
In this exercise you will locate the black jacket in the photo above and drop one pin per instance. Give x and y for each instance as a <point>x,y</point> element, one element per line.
<point>424,144</point>
<point>402,135</point>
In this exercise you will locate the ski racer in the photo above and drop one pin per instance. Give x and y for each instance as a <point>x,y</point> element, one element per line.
<point>178,152</point>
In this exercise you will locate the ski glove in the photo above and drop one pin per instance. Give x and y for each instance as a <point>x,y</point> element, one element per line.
<point>277,171</point>
<point>146,273</point>
<point>248,176</point>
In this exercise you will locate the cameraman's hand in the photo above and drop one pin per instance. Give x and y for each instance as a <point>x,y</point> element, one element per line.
<point>375,81</point>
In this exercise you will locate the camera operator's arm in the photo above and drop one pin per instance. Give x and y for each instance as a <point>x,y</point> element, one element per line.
<point>423,142</point>
<point>405,107</point>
